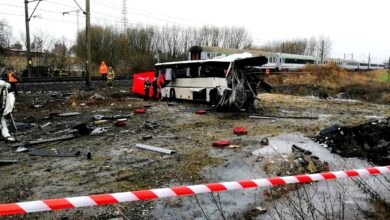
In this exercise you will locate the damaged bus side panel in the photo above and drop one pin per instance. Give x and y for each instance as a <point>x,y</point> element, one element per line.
<point>229,84</point>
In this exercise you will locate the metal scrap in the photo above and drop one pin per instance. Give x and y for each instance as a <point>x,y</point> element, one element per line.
<point>6,162</point>
<point>68,114</point>
<point>42,141</point>
<point>287,117</point>
<point>151,124</point>
<point>53,153</point>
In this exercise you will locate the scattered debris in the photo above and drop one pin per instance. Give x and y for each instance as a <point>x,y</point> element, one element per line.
<point>24,126</point>
<point>221,144</point>
<point>53,153</point>
<point>99,122</point>
<point>98,130</point>
<point>83,129</point>
<point>253,213</point>
<point>201,112</point>
<point>150,124</point>
<point>147,137</point>
<point>240,131</point>
<point>370,140</point>
<point>99,117</point>
<point>120,122</point>
<point>139,111</point>
<point>42,141</point>
<point>68,114</point>
<point>46,124</point>
<point>6,162</point>
<point>264,141</point>
<point>295,148</point>
<point>157,149</point>
<point>171,104</point>
<point>89,156</point>
<point>147,106</point>
<point>287,117</point>
<point>232,146</point>
<point>97,96</point>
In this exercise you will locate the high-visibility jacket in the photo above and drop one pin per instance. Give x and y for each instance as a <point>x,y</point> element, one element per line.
<point>11,77</point>
<point>103,69</point>
<point>111,75</point>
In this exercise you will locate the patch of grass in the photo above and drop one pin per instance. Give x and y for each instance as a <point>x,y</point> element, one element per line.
<point>384,77</point>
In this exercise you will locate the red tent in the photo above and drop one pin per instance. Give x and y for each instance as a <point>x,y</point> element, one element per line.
<point>138,83</point>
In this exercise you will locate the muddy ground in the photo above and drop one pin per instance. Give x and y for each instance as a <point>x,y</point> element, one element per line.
<point>117,166</point>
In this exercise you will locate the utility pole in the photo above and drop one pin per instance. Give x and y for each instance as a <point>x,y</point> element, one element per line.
<point>388,71</point>
<point>28,46</point>
<point>88,39</point>
<point>369,60</point>
<point>322,51</point>
<point>29,61</point>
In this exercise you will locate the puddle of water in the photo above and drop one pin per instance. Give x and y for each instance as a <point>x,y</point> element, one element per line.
<point>241,164</point>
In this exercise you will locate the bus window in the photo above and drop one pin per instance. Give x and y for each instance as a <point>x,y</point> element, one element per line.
<point>213,71</point>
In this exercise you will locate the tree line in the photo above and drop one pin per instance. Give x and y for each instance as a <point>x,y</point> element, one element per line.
<point>138,48</point>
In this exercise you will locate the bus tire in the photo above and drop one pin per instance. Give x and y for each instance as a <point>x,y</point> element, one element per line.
<point>172,95</point>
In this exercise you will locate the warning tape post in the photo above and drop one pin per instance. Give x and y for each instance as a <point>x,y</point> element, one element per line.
<point>104,199</point>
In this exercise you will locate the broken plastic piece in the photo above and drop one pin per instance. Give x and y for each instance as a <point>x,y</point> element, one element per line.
<point>240,131</point>
<point>139,110</point>
<point>200,112</point>
<point>221,144</point>
<point>98,130</point>
<point>120,122</point>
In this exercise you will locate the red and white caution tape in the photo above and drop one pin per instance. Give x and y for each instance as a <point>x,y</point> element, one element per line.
<point>103,199</point>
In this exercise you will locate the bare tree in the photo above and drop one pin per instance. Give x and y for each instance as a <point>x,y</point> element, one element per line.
<point>5,34</point>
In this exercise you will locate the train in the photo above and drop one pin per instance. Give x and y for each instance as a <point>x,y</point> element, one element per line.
<point>282,61</point>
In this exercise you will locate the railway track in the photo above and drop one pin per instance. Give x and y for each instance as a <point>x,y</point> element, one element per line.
<point>66,79</point>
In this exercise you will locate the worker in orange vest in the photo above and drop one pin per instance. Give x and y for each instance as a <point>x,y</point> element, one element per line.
<point>12,79</point>
<point>103,70</point>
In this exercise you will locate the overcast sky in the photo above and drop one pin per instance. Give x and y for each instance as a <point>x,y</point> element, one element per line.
<point>354,26</point>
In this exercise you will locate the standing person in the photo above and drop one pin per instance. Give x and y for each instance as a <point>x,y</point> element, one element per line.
<point>146,88</point>
<point>103,70</point>
<point>12,79</point>
<point>7,106</point>
<point>155,88</point>
<point>110,76</point>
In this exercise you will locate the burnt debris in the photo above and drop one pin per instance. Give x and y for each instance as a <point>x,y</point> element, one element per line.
<point>370,140</point>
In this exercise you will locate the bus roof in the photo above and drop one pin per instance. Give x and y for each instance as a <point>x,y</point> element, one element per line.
<point>226,59</point>
<point>244,59</point>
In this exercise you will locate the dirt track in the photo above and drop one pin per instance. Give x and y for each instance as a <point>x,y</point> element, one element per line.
<point>117,166</point>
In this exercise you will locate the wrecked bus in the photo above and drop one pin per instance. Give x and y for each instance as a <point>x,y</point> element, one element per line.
<point>229,83</point>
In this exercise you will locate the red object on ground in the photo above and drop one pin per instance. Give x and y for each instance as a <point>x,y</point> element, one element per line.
<point>139,111</point>
<point>120,123</point>
<point>240,131</point>
<point>138,83</point>
<point>223,143</point>
<point>200,112</point>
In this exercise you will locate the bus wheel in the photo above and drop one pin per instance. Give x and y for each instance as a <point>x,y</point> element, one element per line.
<point>172,95</point>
